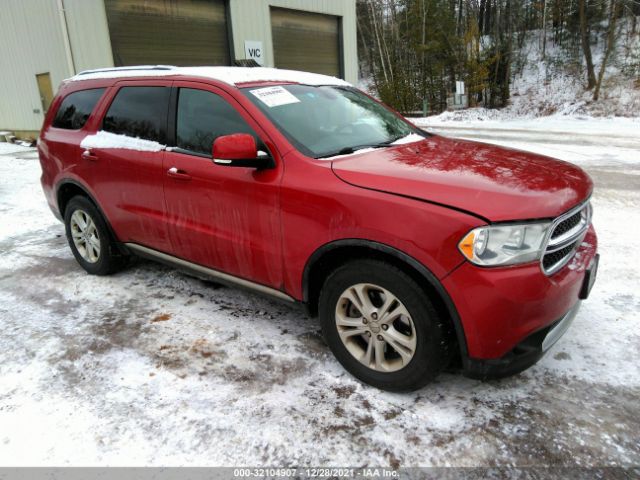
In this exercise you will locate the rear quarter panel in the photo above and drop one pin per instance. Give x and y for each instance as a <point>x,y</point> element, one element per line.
<point>59,149</point>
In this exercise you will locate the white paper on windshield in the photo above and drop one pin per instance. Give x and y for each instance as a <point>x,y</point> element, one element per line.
<point>274,96</point>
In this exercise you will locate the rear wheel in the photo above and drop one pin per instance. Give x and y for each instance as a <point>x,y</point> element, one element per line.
<point>89,238</point>
<point>382,327</point>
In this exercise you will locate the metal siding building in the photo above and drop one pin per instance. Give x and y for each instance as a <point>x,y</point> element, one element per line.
<point>46,41</point>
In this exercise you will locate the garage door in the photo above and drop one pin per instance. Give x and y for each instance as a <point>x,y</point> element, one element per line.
<point>306,41</point>
<point>168,32</point>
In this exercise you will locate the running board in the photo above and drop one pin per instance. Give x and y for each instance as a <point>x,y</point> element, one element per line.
<point>223,277</point>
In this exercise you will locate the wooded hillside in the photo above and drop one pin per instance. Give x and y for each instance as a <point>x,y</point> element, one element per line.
<point>415,50</point>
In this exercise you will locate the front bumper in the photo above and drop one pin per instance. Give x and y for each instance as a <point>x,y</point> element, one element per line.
<point>507,313</point>
<point>525,354</point>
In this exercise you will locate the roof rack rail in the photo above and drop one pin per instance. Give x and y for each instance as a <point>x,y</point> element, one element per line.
<point>120,69</point>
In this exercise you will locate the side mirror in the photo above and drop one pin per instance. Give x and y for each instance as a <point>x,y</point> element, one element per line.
<point>239,150</point>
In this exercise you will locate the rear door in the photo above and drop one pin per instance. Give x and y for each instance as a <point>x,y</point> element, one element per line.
<point>225,218</point>
<point>128,149</point>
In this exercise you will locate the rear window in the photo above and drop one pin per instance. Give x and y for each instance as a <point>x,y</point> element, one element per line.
<point>76,108</point>
<point>139,112</point>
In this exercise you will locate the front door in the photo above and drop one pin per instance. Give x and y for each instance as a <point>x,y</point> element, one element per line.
<point>226,218</point>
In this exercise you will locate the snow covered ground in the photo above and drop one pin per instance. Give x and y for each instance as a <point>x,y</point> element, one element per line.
<point>624,128</point>
<point>6,148</point>
<point>152,367</point>
<point>574,138</point>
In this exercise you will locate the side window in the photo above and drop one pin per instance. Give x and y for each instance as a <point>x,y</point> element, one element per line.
<point>139,112</point>
<point>76,108</point>
<point>204,116</point>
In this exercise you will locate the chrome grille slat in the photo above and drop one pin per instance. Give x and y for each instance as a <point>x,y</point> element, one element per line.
<point>560,246</point>
<point>567,225</point>
<point>565,233</point>
<point>570,234</point>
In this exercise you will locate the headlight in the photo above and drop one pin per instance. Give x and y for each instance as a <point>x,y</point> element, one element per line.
<point>504,244</point>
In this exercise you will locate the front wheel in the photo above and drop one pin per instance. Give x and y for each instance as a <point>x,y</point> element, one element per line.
<point>382,327</point>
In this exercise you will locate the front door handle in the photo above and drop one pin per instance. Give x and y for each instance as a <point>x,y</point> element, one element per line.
<point>174,172</point>
<point>87,155</point>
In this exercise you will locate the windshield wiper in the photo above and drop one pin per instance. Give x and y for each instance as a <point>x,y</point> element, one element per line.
<point>348,150</point>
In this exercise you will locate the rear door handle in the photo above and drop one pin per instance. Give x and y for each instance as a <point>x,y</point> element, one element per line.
<point>87,155</point>
<point>173,172</point>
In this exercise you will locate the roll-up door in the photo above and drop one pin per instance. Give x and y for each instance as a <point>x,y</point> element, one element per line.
<point>168,32</point>
<point>306,41</point>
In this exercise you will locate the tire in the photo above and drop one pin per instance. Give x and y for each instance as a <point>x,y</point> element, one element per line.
<point>93,246</point>
<point>388,364</point>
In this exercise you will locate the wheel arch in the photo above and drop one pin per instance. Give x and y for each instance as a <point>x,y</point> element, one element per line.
<point>69,188</point>
<point>329,256</point>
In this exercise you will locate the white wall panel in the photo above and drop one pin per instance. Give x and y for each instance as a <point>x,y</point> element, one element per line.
<point>89,34</point>
<point>31,42</point>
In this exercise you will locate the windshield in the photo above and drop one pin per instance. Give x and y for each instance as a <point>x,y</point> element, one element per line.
<point>326,121</point>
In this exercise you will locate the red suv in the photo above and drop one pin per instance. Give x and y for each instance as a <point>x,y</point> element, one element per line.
<point>413,249</point>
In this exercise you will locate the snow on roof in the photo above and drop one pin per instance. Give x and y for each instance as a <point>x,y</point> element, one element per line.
<point>231,75</point>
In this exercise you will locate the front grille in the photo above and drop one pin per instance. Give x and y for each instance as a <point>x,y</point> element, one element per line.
<point>566,225</point>
<point>567,232</point>
<point>550,259</point>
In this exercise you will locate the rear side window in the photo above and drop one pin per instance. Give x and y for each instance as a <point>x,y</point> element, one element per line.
<point>139,112</point>
<point>76,108</point>
<point>204,116</point>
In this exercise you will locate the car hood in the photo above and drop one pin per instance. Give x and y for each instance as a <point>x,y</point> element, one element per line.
<point>495,183</point>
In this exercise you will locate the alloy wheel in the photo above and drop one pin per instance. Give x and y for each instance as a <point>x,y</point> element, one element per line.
<point>85,236</point>
<point>375,327</point>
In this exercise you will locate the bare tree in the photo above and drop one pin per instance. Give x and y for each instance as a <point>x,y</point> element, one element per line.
<point>611,42</point>
<point>544,29</point>
<point>415,50</point>
<point>586,43</point>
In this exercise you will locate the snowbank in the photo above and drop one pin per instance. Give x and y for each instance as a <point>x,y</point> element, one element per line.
<point>506,120</point>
